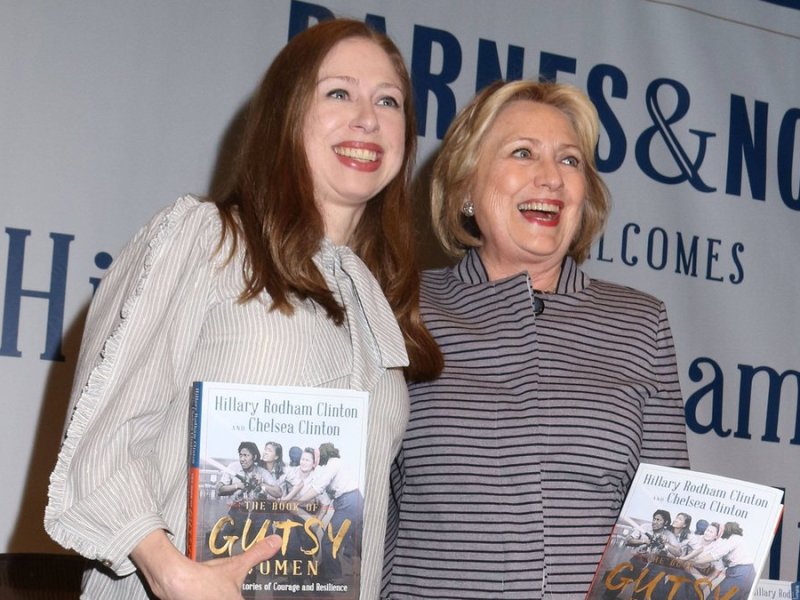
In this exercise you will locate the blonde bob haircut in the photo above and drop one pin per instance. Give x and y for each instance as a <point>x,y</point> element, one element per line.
<point>457,163</point>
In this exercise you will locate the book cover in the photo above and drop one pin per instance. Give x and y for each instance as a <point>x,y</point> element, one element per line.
<point>685,535</point>
<point>278,460</point>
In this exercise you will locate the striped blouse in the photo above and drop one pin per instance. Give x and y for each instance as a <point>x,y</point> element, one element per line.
<point>168,313</point>
<point>516,460</point>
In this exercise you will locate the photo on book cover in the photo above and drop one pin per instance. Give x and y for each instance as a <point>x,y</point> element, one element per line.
<point>285,461</point>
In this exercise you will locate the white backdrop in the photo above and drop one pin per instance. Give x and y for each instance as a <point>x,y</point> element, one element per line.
<point>110,110</point>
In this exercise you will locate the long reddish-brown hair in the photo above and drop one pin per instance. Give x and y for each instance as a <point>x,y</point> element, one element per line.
<point>268,203</point>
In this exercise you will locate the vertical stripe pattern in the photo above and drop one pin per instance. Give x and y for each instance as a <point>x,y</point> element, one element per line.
<point>167,314</point>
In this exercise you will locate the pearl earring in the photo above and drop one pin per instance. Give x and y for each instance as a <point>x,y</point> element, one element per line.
<point>468,209</point>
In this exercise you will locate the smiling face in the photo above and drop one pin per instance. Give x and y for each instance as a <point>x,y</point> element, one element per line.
<point>354,132</point>
<point>306,462</point>
<point>711,532</point>
<point>528,191</point>
<point>268,455</point>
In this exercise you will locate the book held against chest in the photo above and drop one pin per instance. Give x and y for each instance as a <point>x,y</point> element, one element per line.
<point>686,535</point>
<point>279,460</point>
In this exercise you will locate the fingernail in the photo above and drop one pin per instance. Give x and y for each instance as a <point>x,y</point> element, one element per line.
<point>274,542</point>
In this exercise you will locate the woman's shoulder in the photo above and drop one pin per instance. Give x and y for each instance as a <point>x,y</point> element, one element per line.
<point>468,271</point>
<point>431,277</point>
<point>187,216</point>
<point>617,293</point>
<point>180,239</point>
<point>189,227</point>
<point>441,286</point>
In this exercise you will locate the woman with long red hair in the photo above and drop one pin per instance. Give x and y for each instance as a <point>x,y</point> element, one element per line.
<point>297,272</point>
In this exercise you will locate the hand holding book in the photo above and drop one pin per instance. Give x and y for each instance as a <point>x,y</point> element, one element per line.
<point>315,505</point>
<point>172,576</point>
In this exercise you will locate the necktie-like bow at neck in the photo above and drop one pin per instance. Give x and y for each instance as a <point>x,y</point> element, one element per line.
<point>373,328</point>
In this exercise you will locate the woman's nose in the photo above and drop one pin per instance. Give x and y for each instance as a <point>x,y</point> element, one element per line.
<point>548,174</point>
<point>365,117</point>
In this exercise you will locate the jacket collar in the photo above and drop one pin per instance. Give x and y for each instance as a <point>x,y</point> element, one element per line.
<point>472,271</point>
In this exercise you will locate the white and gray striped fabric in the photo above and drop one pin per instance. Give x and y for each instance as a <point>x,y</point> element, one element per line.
<point>167,314</point>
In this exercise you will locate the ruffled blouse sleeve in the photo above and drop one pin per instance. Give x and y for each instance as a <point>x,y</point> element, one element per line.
<point>106,491</point>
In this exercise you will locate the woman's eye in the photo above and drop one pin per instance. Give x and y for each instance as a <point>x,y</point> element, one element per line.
<point>338,94</point>
<point>572,161</point>
<point>389,101</point>
<point>521,153</point>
